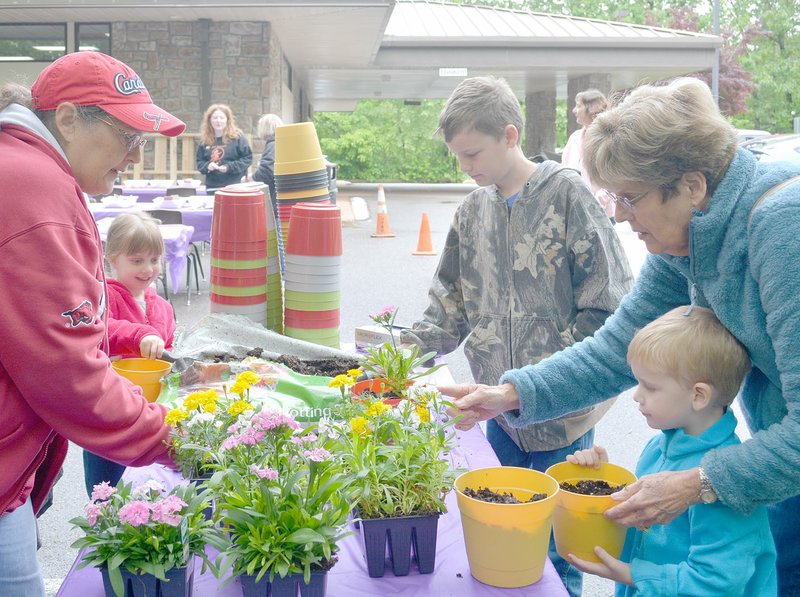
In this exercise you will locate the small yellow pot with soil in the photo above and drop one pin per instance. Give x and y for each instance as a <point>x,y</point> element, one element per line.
<point>578,520</point>
<point>507,543</point>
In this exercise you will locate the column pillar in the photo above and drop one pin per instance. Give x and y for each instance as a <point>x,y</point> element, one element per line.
<point>540,122</point>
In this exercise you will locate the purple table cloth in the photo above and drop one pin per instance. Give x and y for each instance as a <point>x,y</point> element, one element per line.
<point>349,578</point>
<point>147,193</point>
<point>176,237</point>
<point>199,219</point>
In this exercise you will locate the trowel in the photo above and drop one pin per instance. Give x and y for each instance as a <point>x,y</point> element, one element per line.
<point>179,364</point>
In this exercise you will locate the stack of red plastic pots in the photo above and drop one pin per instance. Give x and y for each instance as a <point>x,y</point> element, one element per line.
<point>300,173</point>
<point>239,241</point>
<point>312,277</point>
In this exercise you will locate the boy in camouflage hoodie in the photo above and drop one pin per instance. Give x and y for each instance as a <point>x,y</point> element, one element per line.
<point>531,265</point>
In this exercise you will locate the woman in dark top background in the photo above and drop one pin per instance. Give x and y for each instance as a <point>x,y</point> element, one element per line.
<point>223,155</point>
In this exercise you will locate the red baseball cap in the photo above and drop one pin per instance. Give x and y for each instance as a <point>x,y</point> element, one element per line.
<point>91,78</point>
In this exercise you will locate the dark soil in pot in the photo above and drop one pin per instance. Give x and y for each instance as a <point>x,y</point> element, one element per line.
<point>591,487</point>
<point>485,494</point>
<point>321,367</point>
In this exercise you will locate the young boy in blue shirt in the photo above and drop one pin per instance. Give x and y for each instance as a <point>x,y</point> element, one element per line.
<point>689,368</point>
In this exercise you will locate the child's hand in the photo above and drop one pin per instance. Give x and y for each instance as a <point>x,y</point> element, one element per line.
<point>591,457</point>
<point>609,567</point>
<point>151,347</point>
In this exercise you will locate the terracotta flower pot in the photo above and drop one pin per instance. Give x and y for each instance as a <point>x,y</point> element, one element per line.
<point>410,538</point>
<point>377,386</point>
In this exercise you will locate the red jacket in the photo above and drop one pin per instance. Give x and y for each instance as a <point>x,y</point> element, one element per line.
<point>56,384</point>
<point>127,324</point>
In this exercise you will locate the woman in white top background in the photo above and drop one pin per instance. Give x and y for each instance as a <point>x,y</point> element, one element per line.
<point>588,104</point>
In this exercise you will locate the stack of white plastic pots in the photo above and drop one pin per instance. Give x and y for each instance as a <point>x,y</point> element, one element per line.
<point>313,273</point>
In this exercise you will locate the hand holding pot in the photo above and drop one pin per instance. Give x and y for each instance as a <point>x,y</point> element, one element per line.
<point>479,402</point>
<point>656,499</point>
<point>609,567</point>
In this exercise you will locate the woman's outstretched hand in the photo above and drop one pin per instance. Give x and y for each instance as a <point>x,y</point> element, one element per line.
<point>656,499</point>
<point>479,402</point>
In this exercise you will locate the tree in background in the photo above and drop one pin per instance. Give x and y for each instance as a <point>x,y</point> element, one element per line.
<point>388,140</point>
<point>759,85</point>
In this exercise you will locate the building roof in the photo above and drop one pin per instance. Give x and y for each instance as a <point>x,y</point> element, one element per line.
<point>344,51</point>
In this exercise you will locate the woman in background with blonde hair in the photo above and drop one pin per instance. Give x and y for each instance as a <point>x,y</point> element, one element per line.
<point>223,154</point>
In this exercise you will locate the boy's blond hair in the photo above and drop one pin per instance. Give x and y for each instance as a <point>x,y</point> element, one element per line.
<point>134,233</point>
<point>483,104</point>
<point>692,344</point>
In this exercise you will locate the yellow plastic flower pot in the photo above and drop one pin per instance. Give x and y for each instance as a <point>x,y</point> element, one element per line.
<point>578,521</point>
<point>145,373</point>
<point>507,543</point>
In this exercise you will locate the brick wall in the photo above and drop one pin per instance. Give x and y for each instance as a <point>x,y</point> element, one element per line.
<point>188,65</point>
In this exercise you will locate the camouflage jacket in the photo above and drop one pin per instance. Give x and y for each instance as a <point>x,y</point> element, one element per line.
<point>520,284</point>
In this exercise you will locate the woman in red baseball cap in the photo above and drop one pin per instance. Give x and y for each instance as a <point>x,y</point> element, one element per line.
<point>75,131</point>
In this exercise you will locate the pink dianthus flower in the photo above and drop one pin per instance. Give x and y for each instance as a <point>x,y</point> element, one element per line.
<point>135,513</point>
<point>102,491</point>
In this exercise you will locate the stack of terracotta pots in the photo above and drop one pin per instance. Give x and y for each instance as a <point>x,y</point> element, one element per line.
<point>312,277</point>
<point>243,245</point>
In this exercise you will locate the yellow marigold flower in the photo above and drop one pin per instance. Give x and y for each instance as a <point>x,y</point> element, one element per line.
<point>248,378</point>
<point>239,388</point>
<point>212,395</point>
<point>354,373</point>
<point>193,400</point>
<point>239,407</point>
<point>423,413</point>
<point>376,408</point>
<point>359,425</point>
<point>209,407</point>
<point>175,415</point>
<point>340,381</point>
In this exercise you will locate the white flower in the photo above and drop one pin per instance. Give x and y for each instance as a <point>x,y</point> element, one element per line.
<point>328,428</point>
<point>200,417</point>
<point>419,391</point>
<point>145,488</point>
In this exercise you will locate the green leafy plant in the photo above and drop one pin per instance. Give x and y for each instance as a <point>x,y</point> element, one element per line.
<point>397,455</point>
<point>200,424</point>
<point>145,530</point>
<point>282,494</point>
<point>399,366</point>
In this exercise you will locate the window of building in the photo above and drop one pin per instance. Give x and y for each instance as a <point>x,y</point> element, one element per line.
<point>93,36</point>
<point>43,42</point>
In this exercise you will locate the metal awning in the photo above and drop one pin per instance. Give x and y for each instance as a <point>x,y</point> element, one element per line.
<point>345,51</point>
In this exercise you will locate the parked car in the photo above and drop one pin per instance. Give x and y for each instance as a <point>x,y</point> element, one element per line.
<point>775,148</point>
<point>745,135</point>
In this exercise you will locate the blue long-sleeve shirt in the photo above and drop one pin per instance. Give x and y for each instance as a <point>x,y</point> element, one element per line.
<point>709,550</point>
<point>750,277</point>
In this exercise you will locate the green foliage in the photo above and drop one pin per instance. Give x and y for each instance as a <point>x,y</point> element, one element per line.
<point>282,495</point>
<point>145,532</point>
<point>398,366</point>
<point>396,455</point>
<point>386,140</point>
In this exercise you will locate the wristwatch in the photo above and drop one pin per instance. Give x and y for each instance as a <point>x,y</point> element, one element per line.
<point>707,493</point>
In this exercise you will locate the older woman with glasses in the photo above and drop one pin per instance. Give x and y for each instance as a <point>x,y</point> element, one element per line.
<point>721,230</point>
<point>79,127</point>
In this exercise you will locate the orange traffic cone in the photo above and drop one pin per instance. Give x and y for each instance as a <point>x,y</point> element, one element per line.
<point>424,245</point>
<point>383,230</point>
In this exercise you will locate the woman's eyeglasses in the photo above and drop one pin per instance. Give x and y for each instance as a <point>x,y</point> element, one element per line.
<point>132,141</point>
<point>629,204</point>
